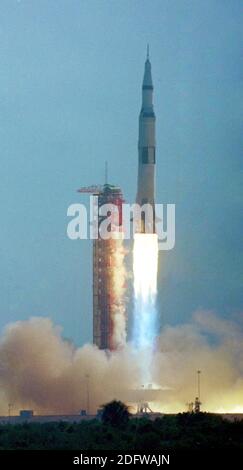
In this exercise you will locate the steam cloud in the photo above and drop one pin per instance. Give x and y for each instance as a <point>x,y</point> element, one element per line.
<point>42,371</point>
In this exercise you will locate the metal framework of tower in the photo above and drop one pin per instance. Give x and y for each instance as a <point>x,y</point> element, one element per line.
<point>104,267</point>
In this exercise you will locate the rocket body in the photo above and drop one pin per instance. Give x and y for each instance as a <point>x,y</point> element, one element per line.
<point>146,152</point>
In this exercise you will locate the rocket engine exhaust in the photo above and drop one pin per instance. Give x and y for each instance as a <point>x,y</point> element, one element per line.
<point>145,266</point>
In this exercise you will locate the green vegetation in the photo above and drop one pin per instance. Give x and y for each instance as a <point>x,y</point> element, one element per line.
<point>115,414</point>
<point>182,431</point>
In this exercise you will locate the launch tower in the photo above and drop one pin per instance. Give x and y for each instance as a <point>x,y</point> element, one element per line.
<point>108,281</point>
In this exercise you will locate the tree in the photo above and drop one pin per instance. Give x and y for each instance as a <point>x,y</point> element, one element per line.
<point>115,413</point>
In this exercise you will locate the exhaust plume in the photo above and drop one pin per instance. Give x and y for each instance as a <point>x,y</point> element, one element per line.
<point>145,267</point>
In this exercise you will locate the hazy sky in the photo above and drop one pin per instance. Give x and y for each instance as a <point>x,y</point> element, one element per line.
<point>70,95</point>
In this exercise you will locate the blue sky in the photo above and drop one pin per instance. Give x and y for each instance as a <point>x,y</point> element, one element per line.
<point>70,95</point>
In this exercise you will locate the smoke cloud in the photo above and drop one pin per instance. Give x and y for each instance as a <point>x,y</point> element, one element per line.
<point>42,371</point>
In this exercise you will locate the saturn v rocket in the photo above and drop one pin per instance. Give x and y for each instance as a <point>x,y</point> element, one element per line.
<point>146,153</point>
